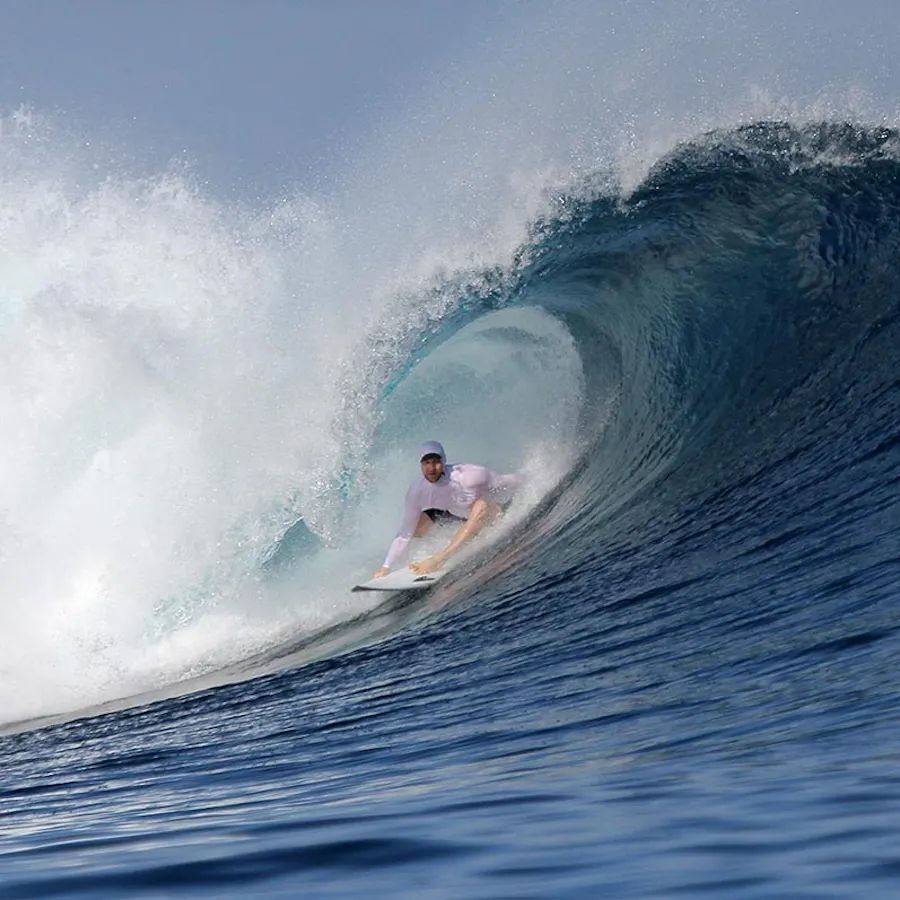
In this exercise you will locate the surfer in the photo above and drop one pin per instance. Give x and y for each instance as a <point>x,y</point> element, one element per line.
<point>469,494</point>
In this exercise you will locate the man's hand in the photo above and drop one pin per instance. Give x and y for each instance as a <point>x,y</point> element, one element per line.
<point>427,566</point>
<point>381,572</point>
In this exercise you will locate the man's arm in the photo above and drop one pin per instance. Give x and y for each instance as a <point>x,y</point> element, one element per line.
<point>504,487</point>
<point>404,534</point>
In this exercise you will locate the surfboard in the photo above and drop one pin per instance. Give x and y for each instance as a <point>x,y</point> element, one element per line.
<point>400,580</point>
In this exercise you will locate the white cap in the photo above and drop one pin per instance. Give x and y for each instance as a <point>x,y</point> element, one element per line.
<point>431,448</point>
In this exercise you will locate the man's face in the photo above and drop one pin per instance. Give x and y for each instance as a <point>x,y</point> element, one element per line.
<point>432,468</point>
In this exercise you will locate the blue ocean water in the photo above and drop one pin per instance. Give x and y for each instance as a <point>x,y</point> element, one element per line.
<point>672,676</point>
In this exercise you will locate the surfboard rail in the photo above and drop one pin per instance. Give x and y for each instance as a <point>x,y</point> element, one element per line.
<point>400,580</point>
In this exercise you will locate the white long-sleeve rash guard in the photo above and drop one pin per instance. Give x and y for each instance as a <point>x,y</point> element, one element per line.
<point>460,485</point>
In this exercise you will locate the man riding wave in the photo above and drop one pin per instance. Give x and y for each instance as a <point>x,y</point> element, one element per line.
<point>470,494</point>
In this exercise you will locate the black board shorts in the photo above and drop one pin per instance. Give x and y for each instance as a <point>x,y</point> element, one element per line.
<point>442,516</point>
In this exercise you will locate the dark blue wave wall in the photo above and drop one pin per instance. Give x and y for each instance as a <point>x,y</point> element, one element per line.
<point>744,301</point>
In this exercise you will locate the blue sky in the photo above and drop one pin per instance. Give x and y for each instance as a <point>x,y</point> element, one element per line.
<point>259,94</point>
<point>250,92</point>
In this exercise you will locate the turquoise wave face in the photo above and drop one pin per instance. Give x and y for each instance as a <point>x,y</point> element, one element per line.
<point>727,325</point>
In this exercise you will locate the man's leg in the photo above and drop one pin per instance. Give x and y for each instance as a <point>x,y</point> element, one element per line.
<point>482,514</point>
<point>423,525</point>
